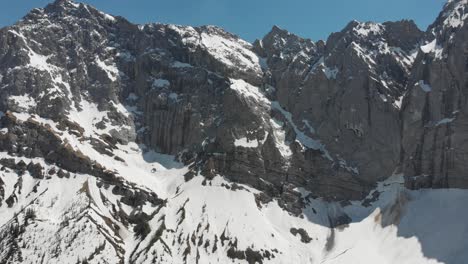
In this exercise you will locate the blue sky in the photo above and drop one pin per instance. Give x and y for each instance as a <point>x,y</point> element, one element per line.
<point>252,19</point>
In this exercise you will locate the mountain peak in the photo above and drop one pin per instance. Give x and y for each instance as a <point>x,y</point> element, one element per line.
<point>404,33</point>
<point>65,9</point>
<point>363,29</point>
<point>284,43</point>
<point>216,30</point>
<point>278,30</point>
<point>63,4</point>
<point>284,35</point>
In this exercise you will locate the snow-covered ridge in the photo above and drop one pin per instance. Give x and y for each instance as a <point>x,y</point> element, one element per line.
<point>228,49</point>
<point>457,13</point>
<point>364,29</point>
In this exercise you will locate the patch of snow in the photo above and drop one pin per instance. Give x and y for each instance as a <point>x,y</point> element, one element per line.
<point>120,108</point>
<point>433,47</point>
<point>364,29</point>
<point>26,102</point>
<point>300,136</point>
<point>231,52</point>
<point>75,5</point>
<point>109,68</point>
<point>330,73</point>
<point>249,91</point>
<point>246,143</point>
<point>38,61</point>
<point>53,92</point>
<point>279,136</point>
<point>424,86</point>
<point>405,59</point>
<point>363,54</point>
<point>109,17</point>
<point>188,34</point>
<point>399,102</point>
<point>444,121</point>
<point>161,83</point>
<point>383,97</point>
<point>174,97</point>
<point>90,115</point>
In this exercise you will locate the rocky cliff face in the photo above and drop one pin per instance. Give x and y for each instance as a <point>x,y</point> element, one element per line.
<point>323,116</point>
<point>158,127</point>
<point>312,115</point>
<point>346,93</point>
<point>434,113</point>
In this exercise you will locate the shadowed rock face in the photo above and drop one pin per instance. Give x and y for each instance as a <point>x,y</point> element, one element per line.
<point>435,108</point>
<point>281,114</point>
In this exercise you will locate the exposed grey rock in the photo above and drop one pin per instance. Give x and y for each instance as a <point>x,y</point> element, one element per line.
<point>325,116</point>
<point>305,238</point>
<point>346,90</point>
<point>434,153</point>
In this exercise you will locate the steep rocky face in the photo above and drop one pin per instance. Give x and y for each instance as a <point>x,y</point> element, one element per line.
<point>175,88</point>
<point>347,94</point>
<point>435,109</point>
<point>280,114</point>
<point>57,66</point>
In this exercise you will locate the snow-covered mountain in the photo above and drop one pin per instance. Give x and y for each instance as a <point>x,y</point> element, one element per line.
<point>123,143</point>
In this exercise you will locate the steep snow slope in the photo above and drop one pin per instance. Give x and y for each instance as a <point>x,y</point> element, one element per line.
<point>80,217</point>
